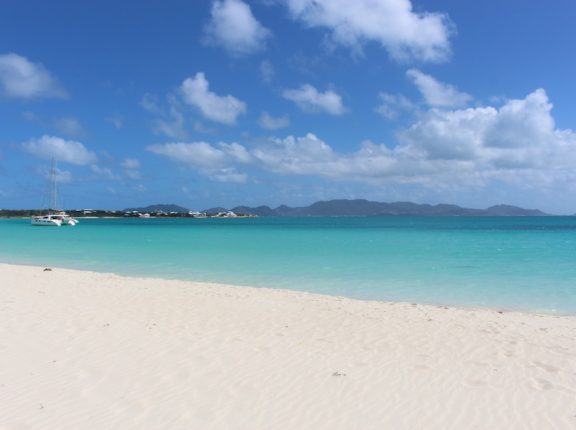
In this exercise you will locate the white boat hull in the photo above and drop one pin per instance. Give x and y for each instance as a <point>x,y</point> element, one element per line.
<point>54,220</point>
<point>46,222</point>
<point>69,221</point>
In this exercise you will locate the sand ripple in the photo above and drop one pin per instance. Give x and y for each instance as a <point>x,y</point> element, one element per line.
<point>81,350</point>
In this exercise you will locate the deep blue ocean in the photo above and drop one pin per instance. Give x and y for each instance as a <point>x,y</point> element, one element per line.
<point>510,263</point>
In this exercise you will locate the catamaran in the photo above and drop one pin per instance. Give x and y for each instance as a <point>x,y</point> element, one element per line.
<point>55,217</point>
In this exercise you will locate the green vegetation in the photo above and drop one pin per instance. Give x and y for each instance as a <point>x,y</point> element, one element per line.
<point>99,213</point>
<point>24,213</point>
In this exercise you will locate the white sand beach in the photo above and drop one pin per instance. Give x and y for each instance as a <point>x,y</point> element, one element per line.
<point>84,350</point>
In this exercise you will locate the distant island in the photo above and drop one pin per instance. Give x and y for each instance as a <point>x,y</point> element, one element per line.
<point>367,208</point>
<point>358,207</point>
<point>329,208</point>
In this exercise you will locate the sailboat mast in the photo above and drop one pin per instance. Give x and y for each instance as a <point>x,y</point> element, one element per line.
<point>53,187</point>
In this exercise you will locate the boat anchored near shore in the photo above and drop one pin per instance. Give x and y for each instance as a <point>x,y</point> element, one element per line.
<point>54,217</point>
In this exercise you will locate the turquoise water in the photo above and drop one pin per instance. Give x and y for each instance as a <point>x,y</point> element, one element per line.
<point>522,263</point>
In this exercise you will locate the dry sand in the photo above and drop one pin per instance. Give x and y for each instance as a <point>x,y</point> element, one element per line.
<point>82,350</point>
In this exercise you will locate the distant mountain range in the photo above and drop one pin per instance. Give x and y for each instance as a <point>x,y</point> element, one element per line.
<point>159,208</point>
<point>360,207</point>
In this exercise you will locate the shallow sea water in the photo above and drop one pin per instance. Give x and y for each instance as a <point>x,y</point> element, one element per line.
<point>504,262</point>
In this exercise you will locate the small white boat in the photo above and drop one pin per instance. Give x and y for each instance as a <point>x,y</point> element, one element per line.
<point>46,221</point>
<point>54,218</point>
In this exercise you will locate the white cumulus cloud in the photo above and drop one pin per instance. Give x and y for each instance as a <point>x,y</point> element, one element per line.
<point>63,176</point>
<point>169,120</point>
<point>230,176</point>
<point>130,163</point>
<point>70,126</point>
<point>223,109</point>
<point>519,134</point>
<point>68,151</point>
<point>20,78</point>
<point>133,174</point>
<point>517,143</point>
<point>171,124</point>
<point>436,93</point>
<point>234,27</point>
<point>270,122</point>
<point>393,105</point>
<point>203,154</point>
<point>403,32</point>
<point>523,123</point>
<point>309,99</point>
<point>103,171</point>
<point>131,168</point>
<point>217,162</point>
<point>305,155</point>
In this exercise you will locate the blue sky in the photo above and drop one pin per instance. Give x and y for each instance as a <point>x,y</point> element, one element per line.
<point>228,102</point>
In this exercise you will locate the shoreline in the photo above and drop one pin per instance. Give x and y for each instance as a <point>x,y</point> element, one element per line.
<point>99,351</point>
<point>462,307</point>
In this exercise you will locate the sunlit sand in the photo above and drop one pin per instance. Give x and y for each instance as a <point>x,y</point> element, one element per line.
<point>84,350</point>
